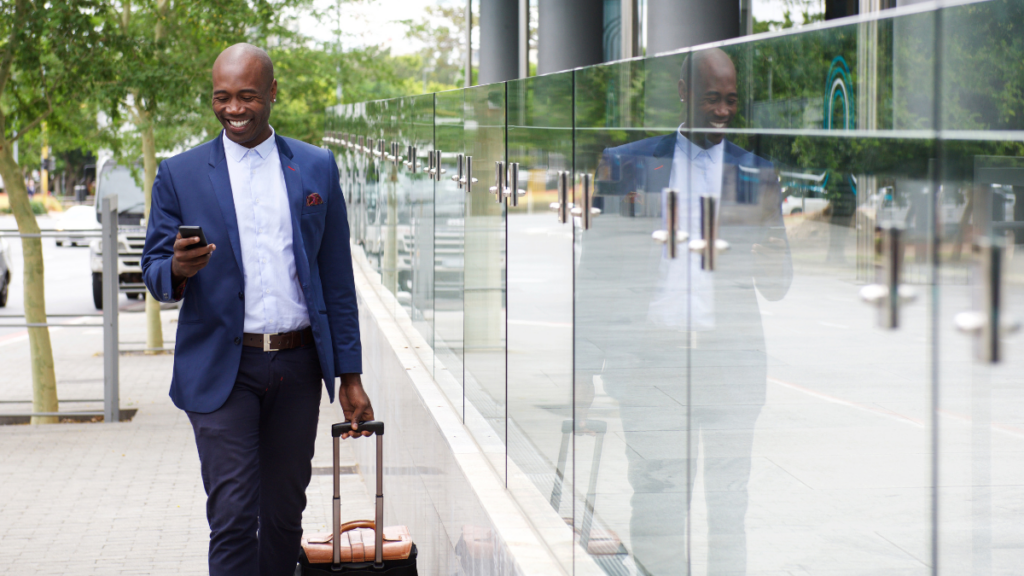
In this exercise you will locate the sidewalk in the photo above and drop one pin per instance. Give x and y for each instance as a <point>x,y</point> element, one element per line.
<point>124,498</point>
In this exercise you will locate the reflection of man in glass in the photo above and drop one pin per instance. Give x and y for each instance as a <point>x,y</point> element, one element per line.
<point>689,369</point>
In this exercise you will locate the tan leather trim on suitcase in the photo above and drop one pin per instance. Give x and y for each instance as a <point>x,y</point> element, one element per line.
<point>357,543</point>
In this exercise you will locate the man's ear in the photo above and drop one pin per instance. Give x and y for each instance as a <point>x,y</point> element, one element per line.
<point>273,90</point>
<point>682,90</point>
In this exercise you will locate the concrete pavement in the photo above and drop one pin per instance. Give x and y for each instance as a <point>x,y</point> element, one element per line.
<point>124,498</point>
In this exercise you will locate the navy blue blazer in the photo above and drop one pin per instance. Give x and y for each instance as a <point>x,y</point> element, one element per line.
<point>193,188</point>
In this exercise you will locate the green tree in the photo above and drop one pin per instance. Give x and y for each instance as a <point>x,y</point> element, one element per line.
<point>442,58</point>
<point>51,53</point>
<point>164,53</point>
<point>306,77</point>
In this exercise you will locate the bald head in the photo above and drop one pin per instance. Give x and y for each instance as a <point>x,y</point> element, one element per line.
<point>244,55</point>
<point>244,90</point>
<point>706,64</point>
<point>707,88</point>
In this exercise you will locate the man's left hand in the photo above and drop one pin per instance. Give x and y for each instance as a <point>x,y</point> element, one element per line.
<point>355,404</point>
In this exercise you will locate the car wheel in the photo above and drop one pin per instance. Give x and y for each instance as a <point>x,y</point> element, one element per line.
<point>59,243</point>
<point>97,290</point>
<point>134,295</point>
<point>796,211</point>
<point>4,289</point>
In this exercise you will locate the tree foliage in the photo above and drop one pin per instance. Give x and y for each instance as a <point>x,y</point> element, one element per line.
<point>443,55</point>
<point>52,55</point>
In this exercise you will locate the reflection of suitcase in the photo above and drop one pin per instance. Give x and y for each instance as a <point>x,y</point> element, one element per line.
<point>596,541</point>
<point>359,548</point>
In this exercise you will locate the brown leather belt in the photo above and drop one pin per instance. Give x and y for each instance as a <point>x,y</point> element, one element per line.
<point>275,342</point>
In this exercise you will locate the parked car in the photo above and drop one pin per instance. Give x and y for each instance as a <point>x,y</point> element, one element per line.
<point>803,193</point>
<point>803,204</point>
<point>131,231</point>
<point>5,271</point>
<point>75,219</point>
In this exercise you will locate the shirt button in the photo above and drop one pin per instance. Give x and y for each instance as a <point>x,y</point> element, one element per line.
<point>241,296</point>
<point>267,290</point>
<point>237,340</point>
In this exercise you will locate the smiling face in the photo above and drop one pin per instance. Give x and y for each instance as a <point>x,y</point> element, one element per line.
<point>244,89</point>
<point>714,93</point>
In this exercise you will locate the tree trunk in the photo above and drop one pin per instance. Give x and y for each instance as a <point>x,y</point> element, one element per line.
<point>154,328</point>
<point>44,382</point>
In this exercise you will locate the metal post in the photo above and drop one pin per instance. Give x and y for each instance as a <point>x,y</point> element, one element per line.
<point>989,344</point>
<point>630,41</point>
<point>336,507</point>
<point>378,553</point>
<point>672,208</point>
<point>524,38</point>
<point>674,24</point>
<point>111,382</point>
<point>469,44</point>
<point>499,41</point>
<point>570,34</point>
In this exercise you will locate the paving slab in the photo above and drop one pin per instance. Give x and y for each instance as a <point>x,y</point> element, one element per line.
<point>125,498</point>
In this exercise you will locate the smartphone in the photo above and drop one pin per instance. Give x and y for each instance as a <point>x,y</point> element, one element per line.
<point>190,231</point>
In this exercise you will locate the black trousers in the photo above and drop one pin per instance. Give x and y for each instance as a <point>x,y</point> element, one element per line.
<point>255,453</point>
<point>709,400</point>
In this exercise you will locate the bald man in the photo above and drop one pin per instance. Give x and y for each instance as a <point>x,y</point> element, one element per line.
<point>682,348</point>
<point>268,311</point>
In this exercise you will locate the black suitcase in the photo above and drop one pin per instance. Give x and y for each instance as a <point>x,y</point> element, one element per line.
<point>379,567</point>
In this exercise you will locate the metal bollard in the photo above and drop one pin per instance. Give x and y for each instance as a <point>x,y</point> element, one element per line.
<point>111,354</point>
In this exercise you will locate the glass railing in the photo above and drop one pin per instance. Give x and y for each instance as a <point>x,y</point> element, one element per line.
<point>748,308</point>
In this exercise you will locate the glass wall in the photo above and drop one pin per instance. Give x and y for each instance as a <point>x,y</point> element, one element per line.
<point>484,291</point>
<point>749,308</point>
<point>450,245</point>
<point>539,323</point>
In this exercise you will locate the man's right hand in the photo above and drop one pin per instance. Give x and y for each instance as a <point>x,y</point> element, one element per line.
<point>187,260</point>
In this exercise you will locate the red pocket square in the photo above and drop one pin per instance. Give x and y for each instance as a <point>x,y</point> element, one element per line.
<point>314,199</point>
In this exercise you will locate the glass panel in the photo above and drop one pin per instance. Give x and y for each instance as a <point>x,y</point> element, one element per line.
<point>766,394</point>
<point>484,142</point>
<point>449,246</point>
<point>390,112</point>
<point>631,513</point>
<point>540,269</point>
<point>417,243</point>
<point>376,199</point>
<point>980,215</point>
<point>838,375</point>
<point>356,177</point>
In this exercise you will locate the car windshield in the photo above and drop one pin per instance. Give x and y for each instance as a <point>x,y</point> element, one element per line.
<point>115,179</point>
<point>79,215</point>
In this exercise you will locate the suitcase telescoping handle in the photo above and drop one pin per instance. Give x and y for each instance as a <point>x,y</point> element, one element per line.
<point>375,427</point>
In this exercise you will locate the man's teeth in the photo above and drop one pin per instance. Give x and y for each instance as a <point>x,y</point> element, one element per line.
<point>238,123</point>
<point>717,124</point>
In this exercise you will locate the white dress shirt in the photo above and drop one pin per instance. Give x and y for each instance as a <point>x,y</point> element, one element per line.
<point>274,301</point>
<point>678,304</point>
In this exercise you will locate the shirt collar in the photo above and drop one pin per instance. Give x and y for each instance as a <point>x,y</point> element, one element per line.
<point>692,151</point>
<point>236,151</point>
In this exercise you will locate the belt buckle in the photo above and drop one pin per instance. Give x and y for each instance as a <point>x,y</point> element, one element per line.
<point>266,343</point>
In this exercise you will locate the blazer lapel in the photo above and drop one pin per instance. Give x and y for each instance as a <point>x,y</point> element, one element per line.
<point>293,182</point>
<point>221,181</point>
<point>660,167</point>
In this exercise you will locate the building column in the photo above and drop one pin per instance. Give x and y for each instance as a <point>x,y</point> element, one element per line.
<point>675,24</point>
<point>499,41</point>
<point>569,34</point>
